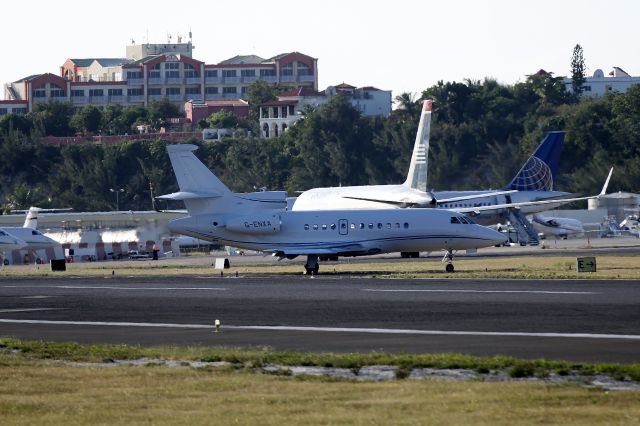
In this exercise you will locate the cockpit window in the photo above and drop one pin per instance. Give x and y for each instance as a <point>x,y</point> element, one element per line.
<point>454,219</point>
<point>3,234</point>
<point>35,232</point>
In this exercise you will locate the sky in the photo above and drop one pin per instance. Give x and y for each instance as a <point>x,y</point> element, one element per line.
<point>401,45</point>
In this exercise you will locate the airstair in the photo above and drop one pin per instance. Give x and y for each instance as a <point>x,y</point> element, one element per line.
<point>526,233</point>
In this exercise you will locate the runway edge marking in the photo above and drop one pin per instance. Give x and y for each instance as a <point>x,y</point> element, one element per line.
<point>329,329</point>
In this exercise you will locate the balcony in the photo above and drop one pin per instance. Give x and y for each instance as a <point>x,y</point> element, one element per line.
<point>230,80</point>
<point>156,80</point>
<point>79,100</point>
<point>179,97</point>
<point>212,80</point>
<point>116,99</point>
<point>287,78</point>
<point>137,98</point>
<point>175,80</point>
<point>195,98</point>
<point>193,80</point>
<point>307,77</point>
<point>268,78</point>
<point>213,96</point>
<point>135,81</point>
<point>155,97</point>
<point>96,100</point>
<point>249,79</point>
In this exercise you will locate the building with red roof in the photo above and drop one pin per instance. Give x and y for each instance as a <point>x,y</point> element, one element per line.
<point>151,72</point>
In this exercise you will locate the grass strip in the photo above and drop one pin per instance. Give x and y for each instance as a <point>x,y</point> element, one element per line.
<point>258,358</point>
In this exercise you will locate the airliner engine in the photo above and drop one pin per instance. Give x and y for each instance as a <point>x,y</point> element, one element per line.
<point>255,224</point>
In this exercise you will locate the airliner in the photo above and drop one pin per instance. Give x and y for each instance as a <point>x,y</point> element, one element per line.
<point>533,182</point>
<point>246,221</point>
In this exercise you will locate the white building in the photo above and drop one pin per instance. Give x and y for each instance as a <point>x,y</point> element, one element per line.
<point>277,116</point>
<point>598,85</point>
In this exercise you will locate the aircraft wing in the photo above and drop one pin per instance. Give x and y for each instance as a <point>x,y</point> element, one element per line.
<point>427,199</point>
<point>478,209</point>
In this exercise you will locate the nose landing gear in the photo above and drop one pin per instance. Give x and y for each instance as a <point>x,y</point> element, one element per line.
<point>448,257</point>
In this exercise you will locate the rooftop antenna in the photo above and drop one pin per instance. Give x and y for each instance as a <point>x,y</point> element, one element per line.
<point>179,39</point>
<point>168,38</point>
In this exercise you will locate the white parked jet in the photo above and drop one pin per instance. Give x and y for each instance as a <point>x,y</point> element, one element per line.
<point>533,182</point>
<point>559,227</point>
<point>29,237</point>
<point>240,220</point>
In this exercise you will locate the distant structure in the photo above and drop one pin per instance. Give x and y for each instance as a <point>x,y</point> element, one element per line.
<point>277,116</point>
<point>151,72</point>
<point>599,85</point>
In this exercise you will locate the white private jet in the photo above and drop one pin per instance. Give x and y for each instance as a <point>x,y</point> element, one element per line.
<point>533,182</point>
<point>243,221</point>
<point>559,227</point>
<point>28,235</point>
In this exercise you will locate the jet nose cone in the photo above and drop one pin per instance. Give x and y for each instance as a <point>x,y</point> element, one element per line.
<point>492,237</point>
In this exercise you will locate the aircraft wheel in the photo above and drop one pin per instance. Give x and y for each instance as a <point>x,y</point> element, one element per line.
<point>449,268</point>
<point>6,262</point>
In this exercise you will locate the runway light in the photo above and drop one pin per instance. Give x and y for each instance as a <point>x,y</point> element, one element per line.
<point>217,324</point>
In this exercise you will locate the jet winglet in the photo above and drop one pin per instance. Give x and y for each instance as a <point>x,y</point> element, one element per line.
<point>606,183</point>
<point>417,176</point>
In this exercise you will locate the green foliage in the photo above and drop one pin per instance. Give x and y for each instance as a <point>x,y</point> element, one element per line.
<point>481,133</point>
<point>578,69</point>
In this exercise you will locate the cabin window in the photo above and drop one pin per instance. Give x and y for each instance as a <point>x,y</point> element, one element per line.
<point>306,227</point>
<point>324,227</point>
<point>333,226</point>
<point>362,226</point>
<point>371,226</point>
<point>388,225</point>
<point>406,225</point>
<point>315,226</point>
<point>353,226</point>
<point>397,225</point>
<point>379,226</point>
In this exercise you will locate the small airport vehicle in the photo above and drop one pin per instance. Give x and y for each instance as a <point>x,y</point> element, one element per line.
<point>135,254</point>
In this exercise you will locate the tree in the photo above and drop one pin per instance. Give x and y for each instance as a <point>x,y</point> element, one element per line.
<point>222,120</point>
<point>258,93</point>
<point>577,71</point>
<point>88,120</point>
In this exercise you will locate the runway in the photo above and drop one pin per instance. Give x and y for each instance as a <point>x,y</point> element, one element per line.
<point>576,320</point>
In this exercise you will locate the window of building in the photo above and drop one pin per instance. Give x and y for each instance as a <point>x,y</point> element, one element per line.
<point>267,73</point>
<point>189,71</point>
<point>155,71</point>
<point>57,93</point>
<point>304,69</point>
<point>96,92</point>
<point>40,93</point>
<point>211,90</point>
<point>229,73</point>
<point>19,110</point>
<point>211,73</point>
<point>287,70</point>
<point>3,111</point>
<point>248,73</point>
<point>154,91</point>
<point>587,88</point>
<point>135,92</point>
<point>243,90</point>
<point>173,74</point>
<point>171,65</point>
<point>172,69</point>
<point>114,92</point>
<point>192,91</point>
<point>133,75</point>
<point>229,90</point>
<point>77,93</point>
<point>173,90</point>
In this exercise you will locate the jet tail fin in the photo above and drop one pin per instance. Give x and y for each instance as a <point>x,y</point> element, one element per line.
<point>192,175</point>
<point>31,221</point>
<point>538,173</point>
<point>417,176</point>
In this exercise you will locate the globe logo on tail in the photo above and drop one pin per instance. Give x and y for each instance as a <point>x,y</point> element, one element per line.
<point>535,175</point>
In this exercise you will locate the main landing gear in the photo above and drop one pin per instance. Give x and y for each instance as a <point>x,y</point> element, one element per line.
<point>448,257</point>
<point>312,266</point>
